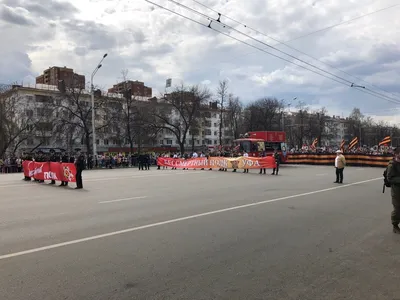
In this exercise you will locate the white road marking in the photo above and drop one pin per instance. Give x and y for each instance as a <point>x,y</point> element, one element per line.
<point>101,236</point>
<point>108,178</point>
<point>124,199</point>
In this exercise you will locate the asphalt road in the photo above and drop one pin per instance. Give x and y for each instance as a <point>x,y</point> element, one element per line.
<point>164,234</point>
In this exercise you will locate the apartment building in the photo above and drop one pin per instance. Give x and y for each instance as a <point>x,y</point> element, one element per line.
<point>53,75</point>
<point>138,89</point>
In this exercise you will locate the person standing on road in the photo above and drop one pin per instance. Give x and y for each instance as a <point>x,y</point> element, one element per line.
<point>277,158</point>
<point>245,154</point>
<point>393,176</point>
<point>79,165</point>
<point>340,163</point>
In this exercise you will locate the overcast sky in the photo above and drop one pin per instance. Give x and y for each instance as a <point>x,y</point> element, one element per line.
<point>155,44</point>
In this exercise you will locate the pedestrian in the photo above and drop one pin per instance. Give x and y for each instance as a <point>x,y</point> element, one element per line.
<point>245,154</point>
<point>277,158</point>
<point>263,154</point>
<point>340,163</point>
<point>393,176</point>
<point>79,165</point>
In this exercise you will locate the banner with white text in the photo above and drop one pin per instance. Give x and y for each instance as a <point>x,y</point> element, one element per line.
<point>219,162</point>
<point>49,170</point>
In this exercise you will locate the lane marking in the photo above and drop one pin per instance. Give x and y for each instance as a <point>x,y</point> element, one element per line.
<point>119,232</point>
<point>107,178</point>
<point>124,199</point>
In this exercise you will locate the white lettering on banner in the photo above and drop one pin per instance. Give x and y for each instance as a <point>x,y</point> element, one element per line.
<point>36,171</point>
<point>50,175</point>
<point>251,163</point>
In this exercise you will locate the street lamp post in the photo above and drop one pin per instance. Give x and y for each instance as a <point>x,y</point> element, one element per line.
<point>94,146</point>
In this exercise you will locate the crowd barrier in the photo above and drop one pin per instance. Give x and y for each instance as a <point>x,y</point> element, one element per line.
<point>49,170</point>
<point>364,160</point>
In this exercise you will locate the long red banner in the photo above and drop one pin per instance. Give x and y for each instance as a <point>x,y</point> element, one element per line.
<point>49,170</point>
<point>219,162</point>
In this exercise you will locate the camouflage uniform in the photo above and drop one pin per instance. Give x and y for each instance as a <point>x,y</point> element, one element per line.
<point>393,176</point>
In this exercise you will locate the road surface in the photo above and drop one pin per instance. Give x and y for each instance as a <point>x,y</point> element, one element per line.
<point>164,234</point>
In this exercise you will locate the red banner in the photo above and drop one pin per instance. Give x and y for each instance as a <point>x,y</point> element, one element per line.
<point>219,162</point>
<point>49,170</point>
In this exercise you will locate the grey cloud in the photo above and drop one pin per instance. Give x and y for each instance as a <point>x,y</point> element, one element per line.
<point>14,66</point>
<point>92,35</point>
<point>14,16</point>
<point>81,51</point>
<point>51,9</point>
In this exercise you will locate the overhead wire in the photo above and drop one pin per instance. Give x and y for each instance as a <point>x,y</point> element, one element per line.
<point>256,40</point>
<point>234,29</point>
<point>302,52</point>
<point>377,95</point>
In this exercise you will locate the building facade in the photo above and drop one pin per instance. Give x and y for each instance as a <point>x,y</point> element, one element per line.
<point>53,75</point>
<point>40,109</point>
<point>137,88</point>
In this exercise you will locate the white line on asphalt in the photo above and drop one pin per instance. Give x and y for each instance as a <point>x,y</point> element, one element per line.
<point>124,199</point>
<point>100,236</point>
<point>109,178</point>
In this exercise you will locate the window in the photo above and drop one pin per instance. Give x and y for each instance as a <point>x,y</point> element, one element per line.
<point>198,142</point>
<point>44,126</point>
<point>215,124</point>
<point>43,99</point>
<point>169,142</point>
<point>207,123</point>
<point>105,142</point>
<point>161,142</point>
<point>207,132</point>
<point>209,142</point>
<point>29,113</point>
<point>97,142</point>
<point>215,132</point>
<point>215,142</point>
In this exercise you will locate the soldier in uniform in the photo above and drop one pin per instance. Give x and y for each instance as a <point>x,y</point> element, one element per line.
<point>64,159</point>
<point>393,176</point>
<point>79,165</point>
<point>277,162</point>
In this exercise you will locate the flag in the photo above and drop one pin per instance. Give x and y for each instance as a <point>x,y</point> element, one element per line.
<point>385,141</point>
<point>314,143</point>
<point>168,83</point>
<point>342,144</point>
<point>353,143</point>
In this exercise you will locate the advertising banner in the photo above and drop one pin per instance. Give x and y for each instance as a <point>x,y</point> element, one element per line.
<point>49,170</point>
<point>219,162</point>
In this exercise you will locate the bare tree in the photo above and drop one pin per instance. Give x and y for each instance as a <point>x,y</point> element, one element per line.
<point>17,119</point>
<point>263,114</point>
<point>73,110</point>
<point>300,127</point>
<point>222,97</point>
<point>179,111</point>
<point>235,115</point>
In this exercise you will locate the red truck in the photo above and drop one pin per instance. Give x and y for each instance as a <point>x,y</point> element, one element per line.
<point>256,142</point>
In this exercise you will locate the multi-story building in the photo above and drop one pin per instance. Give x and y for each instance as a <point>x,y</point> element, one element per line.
<point>137,88</point>
<point>40,109</point>
<point>53,75</point>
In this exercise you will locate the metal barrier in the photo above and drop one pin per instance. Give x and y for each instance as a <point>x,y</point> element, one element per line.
<point>329,159</point>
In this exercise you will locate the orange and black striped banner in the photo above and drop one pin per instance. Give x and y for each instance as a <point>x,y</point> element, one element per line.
<point>342,144</point>
<point>385,141</point>
<point>353,143</point>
